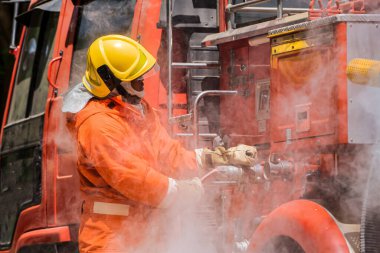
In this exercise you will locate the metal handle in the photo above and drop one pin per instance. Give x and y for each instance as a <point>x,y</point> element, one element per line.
<point>320,4</point>
<point>50,67</point>
<point>169,10</point>
<point>14,27</point>
<point>280,7</point>
<point>195,110</point>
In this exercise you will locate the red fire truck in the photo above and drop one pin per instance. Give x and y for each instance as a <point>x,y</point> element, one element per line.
<point>296,79</point>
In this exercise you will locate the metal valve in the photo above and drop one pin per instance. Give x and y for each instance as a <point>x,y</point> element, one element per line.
<point>280,168</point>
<point>260,172</point>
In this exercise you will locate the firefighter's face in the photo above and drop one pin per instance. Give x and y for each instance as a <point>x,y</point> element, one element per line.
<point>138,85</point>
<point>134,88</point>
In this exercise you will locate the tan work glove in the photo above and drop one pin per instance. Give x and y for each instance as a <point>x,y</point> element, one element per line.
<point>212,158</point>
<point>242,155</point>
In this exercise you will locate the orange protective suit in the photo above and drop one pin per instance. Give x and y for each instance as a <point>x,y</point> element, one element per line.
<point>124,158</point>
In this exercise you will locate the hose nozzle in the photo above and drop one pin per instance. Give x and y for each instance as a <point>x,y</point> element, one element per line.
<point>232,172</point>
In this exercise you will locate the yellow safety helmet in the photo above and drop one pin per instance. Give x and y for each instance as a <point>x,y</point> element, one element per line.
<point>113,59</point>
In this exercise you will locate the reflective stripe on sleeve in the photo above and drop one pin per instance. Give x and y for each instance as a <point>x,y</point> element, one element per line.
<point>110,208</point>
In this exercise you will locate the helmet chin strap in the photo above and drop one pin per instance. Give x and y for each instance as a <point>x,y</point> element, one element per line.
<point>131,99</point>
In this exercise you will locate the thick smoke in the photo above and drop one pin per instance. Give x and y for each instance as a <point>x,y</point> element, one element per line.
<point>201,229</point>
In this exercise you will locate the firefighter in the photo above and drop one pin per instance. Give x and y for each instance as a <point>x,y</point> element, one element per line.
<point>130,169</point>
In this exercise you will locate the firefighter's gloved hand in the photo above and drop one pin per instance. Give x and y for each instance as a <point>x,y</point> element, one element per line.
<point>189,193</point>
<point>211,158</point>
<point>242,155</point>
<point>182,194</point>
<point>190,189</point>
